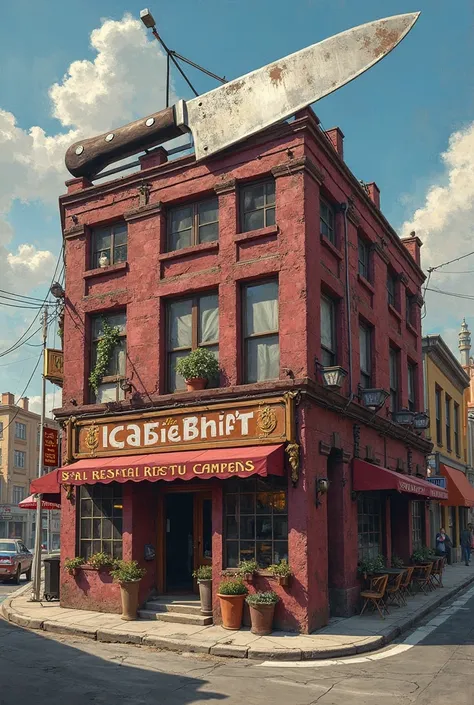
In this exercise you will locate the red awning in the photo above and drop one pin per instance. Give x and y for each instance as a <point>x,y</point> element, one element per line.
<point>369,477</point>
<point>460,490</point>
<point>188,465</point>
<point>48,486</point>
<point>31,502</point>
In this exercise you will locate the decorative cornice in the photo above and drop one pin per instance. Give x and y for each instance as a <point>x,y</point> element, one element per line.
<point>402,277</point>
<point>143,211</point>
<point>418,300</point>
<point>227,186</point>
<point>435,347</point>
<point>378,248</point>
<point>75,231</point>
<point>352,215</point>
<point>324,448</point>
<point>295,166</point>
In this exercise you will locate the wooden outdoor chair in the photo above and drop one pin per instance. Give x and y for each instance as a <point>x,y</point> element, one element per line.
<point>422,577</point>
<point>394,592</point>
<point>437,572</point>
<point>405,585</point>
<point>375,595</point>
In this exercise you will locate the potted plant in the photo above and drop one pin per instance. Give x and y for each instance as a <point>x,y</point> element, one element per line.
<point>247,569</point>
<point>198,368</point>
<point>282,571</point>
<point>203,576</point>
<point>397,562</point>
<point>100,560</point>
<point>231,596</point>
<point>128,574</point>
<point>262,609</point>
<point>72,565</point>
<point>369,566</point>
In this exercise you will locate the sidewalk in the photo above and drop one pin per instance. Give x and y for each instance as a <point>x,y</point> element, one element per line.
<point>343,637</point>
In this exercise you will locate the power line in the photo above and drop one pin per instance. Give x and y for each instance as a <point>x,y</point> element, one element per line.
<point>20,296</point>
<point>453,294</point>
<point>457,259</point>
<point>24,392</point>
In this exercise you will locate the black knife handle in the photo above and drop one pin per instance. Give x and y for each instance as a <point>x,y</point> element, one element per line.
<point>89,156</point>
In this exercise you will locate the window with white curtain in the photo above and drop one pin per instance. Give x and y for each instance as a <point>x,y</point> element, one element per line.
<point>109,389</point>
<point>193,224</point>
<point>365,345</point>
<point>192,323</point>
<point>260,325</point>
<point>328,332</point>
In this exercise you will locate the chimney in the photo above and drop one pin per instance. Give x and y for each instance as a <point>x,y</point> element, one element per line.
<point>337,138</point>
<point>8,399</point>
<point>413,245</point>
<point>374,193</point>
<point>23,403</point>
<point>464,344</point>
<point>155,158</point>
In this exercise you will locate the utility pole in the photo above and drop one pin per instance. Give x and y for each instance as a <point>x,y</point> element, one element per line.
<point>35,594</point>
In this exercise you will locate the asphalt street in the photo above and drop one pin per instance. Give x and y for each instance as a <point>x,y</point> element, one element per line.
<point>8,588</point>
<point>435,666</point>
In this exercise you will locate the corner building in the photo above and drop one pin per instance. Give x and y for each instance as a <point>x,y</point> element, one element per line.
<point>278,259</point>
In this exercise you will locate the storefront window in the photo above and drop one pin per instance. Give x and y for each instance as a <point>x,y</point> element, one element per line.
<point>100,520</point>
<point>256,521</point>
<point>417,521</point>
<point>369,510</point>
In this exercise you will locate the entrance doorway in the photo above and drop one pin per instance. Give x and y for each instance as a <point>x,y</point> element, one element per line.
<point>188,538</point>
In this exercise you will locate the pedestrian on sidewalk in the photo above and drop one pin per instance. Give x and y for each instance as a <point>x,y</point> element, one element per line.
<point>443,545</point>
<point>466,541</point>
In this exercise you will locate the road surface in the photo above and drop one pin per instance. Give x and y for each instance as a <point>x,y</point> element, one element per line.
<point>53,670</point>
<point>8,588</point>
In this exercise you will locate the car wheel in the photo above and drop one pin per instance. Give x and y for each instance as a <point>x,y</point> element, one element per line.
<point>28,573</point>
<point>16,579</point>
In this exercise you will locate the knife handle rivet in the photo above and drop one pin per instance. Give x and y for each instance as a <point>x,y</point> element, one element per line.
<point>205,148</point>
<point>79,150</point>
<point>110,137</point>
<point>200,103</point>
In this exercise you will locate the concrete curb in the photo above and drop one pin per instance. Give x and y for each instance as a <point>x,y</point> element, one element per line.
<point>371,643</point>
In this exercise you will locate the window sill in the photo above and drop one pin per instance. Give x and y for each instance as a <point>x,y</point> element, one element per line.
<point>394,312</point>
<point>255,234</point>
<point>365,283</point>
<point>92,569</point>
<point>258,573</point>
<point>411,328</point>
<point>111,269</point>
<point>332,248</point>
<point>194,249</point>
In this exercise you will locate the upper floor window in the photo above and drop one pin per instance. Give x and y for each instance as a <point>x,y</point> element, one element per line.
<point>411,387</point>
<point>1,459</point>
<point>257,205</point>
<point>394,379</point>
<point>328,332</point>
<point>410,300</point>
<point>109,245</point>
<point>109,388</point>
<point>192,323</point>
<point>19,459</point>
<point>365,348</point>
<point>327,221</point>
<point>260,326</point>
<point>447,401</point>
<point>1,429</point>
<point>391,289</point>
<point>20,430</point>
<point>193,224</point>
<point>364,257</point>
<point>19,493</point>
<point>439,432</point>
<point>456,429</point>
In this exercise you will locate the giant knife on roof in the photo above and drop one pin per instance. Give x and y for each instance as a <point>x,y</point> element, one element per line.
<point>238,109</point>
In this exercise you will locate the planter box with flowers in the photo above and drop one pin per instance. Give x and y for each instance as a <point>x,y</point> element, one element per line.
<point>247,570</point>
<point>198,368</point>
<point>282,572</point>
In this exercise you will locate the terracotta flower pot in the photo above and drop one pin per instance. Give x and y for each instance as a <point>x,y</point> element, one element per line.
<point>194,385</point>
<point>261,617</point>
<point>205,593</point>
<point>232,607</point>
<point>283,580</point>
<point>129,594</point>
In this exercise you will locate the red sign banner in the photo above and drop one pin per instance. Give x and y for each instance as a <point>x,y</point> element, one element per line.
<point>50,447</point>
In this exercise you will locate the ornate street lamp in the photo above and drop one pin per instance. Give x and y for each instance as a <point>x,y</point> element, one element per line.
<point>404,417</point>
<point>421,421</point>
<point>333,377</point>
<point>373,399</point>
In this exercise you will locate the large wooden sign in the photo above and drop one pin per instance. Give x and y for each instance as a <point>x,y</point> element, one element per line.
<point>217,426</point>
<point>54,366</point>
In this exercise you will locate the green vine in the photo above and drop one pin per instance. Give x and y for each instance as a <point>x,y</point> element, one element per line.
<point>105,347</point>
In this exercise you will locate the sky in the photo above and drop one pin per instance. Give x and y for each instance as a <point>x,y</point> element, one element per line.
<point>85,66</point>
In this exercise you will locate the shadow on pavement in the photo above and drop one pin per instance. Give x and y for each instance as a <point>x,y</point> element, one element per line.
<point>35,668</point>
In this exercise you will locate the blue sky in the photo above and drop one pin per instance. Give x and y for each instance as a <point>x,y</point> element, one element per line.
<point>397,118</point>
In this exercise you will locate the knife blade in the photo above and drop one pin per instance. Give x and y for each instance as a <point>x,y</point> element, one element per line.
<point>238,109</point>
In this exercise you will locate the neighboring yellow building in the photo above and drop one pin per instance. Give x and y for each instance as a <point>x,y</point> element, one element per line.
<point>445,382</point>
<point>19,448</point>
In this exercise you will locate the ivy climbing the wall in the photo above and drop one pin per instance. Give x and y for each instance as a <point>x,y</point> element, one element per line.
<point>105,347</point>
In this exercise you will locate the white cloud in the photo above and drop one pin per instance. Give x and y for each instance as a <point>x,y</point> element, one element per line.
<point>445,224</point>
<point>53,401</point>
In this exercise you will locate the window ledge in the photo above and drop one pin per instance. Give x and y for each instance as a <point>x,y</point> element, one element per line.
<point>261,573</point>
<point>194,249</point>
<point>332,248</point>
<point>111,269</point>
<point>255,234</point>
<point>365,282</point>
<point>86,566</point>
<point>394,312</point>
<point>411,328</point>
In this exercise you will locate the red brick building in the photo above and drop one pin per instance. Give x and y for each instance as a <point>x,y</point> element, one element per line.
<point>276,257</point>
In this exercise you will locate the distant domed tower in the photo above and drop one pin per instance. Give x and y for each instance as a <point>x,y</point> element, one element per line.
<point>465,344</point>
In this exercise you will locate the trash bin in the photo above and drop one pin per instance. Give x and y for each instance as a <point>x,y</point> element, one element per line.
<point>51,578</point>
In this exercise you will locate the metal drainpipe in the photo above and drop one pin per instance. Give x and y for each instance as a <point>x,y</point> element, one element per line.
<point>344,208</point>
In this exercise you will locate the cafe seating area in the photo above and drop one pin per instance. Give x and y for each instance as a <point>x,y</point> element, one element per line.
<point>395,586</point>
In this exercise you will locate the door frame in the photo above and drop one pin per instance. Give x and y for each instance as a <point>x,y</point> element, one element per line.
<point>161,529</point>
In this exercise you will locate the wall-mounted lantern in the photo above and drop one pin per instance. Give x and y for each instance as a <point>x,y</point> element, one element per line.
<point>373,399</point>
<point>322,487</point>
<point>333,377</point>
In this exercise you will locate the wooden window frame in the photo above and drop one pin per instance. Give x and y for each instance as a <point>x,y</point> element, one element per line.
<point>394,353</point>
<point>324,350</point>
<point>94,252</point>
<point>366,376</point>
<point>253,336</point>
<point>195,299</point>
<point>330,226</point>
<point>195,226</point>
<point>94,494</point>
<point>108,379</point>
<point>391,295</point>
<point>266,206</point>
<point>20,425</point>
<point>447,420</point>
<point>363,264</point>
<point>412,369</point>
<point>457,448</point>
<point>417,524</point>
<point>438,416</point>
<point>375,522</point>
